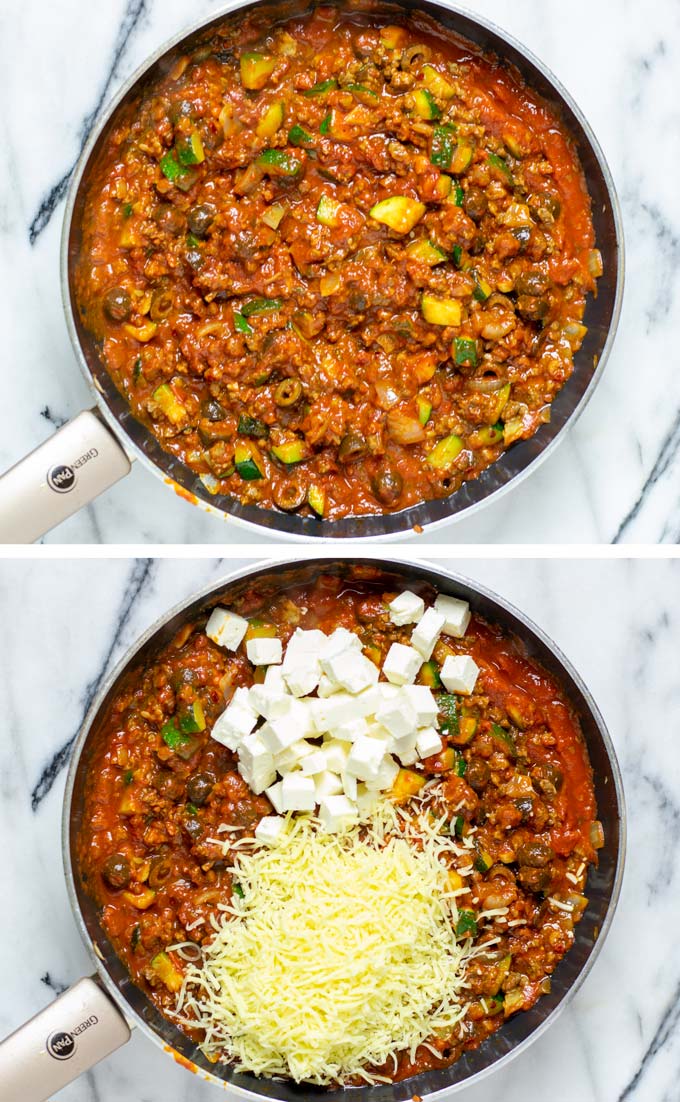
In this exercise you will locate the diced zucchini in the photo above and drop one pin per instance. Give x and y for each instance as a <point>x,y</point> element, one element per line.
<point>256,70</point>
<point>443,146</point>
<point>172,735</point>
<point>487,437</point>
<point>363,94</point>
<point>260,306</point>
<point>273,216</point>
<point>167,972</point>
<point>445,452</point>
<point>502,969</point>
<point>325,124</point>
<point>448,713</point>
<point>467,924</point>
<point>465,351</point>
<point>462,158</point>
<point>241,325</point>
<point>316,498</point>
<point>299,136</point>
<point>190,150</point>
<point>406,785</point>
<point>456,881</point>
<point>425,252</point>
<point>271,121</point>
<point>504,739</point>
<point>279,163</point>
<point>483,860</point>
<point>399,212</point>
<point>467,726</point>
<point>425,105</point>
<point>443,187</point>
<point>501,169</point>
<point>461,765</point>
<point>295,451</point>
<point>170,166</point>
<point>457,255</point>
<point>424,410</point>
<point>193,720</point>
<point>246,461</point>
<point>483,290</point>
<point>258,629</point>
<point>437,84</point>
<point>172,407</point>
<point>327,211</point>
<point>440,311</point>
<point>393,37</point>
<point>250,426</point>
<point>322,87</point>
<point>429,675</point>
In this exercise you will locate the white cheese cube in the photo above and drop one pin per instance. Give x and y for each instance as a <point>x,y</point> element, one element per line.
<point>256,765</point>
<point>405,747</point>
<point>314,763</point>
<point>340,640</point>
<point>367,800</point>
<point>349,785</point>
<point>273,679</point>
<point>282,731</point>
<point>334,711</point>
<point>388,691</point>
<point>275,797</point>
<point>456,615</point>
<point>301,674</point>
<point>305,642</point>
<point>264,652</point>
<point>226,628</point>
<point>337,813</point>
<point>386,775</point>
<point>426,632</point>
<point>365,758</point>
<point>407,608</point>
<point>326,687</point>
<point>352,671</point>
<point>269,829</point>
<point>269,701</point>
<point>402,664</point>
<point>298,793</point>
<point>292,756</point>
<point>398,716</point>
<point>327,784</point>
<point>429,742</point>
<point>351,731</point>
<point>234,724</point>
<point>337,754</point>
<point>459,674</point>
<point>408,757</point>
<point>423,702</point>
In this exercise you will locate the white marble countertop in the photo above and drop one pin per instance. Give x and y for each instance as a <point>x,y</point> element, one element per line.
<point>615,477</point>
<point>618,622</point>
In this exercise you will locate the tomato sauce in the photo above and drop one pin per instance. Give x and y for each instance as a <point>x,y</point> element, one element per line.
<point>513,774</point>
<point>337,267</point>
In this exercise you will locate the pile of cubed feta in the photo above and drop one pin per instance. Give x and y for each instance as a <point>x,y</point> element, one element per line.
<point>322,731</point>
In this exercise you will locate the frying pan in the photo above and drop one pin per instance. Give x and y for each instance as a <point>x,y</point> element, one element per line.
<point>94,1017</point>
<point>96,449</point>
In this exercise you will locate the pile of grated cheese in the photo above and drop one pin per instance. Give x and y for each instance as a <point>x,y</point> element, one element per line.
<point>340,954</point>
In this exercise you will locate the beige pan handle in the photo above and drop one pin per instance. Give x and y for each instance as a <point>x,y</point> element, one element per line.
<point>68,471</point>
<point>65,1039</point>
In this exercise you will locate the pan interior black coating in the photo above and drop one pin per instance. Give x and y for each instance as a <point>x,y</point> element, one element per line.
<point>602,884</point>
<point>601,311</point>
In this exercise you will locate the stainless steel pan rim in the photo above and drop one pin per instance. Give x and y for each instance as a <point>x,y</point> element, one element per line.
<point>434,574</point>
<point>383,527</point>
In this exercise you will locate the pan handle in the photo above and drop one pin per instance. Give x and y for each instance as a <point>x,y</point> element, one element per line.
<point>68,471</point>
<point>68,1037</point>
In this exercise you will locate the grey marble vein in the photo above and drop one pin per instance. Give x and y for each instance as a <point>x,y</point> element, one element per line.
<point>134,10</point>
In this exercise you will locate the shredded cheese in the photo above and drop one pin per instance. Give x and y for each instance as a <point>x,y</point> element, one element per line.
<point>340,954</point>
